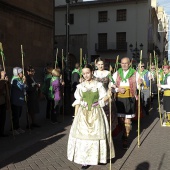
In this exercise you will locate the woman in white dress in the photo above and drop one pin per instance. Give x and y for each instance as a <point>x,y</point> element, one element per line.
<point>104,76</point>
<point>88,142</point>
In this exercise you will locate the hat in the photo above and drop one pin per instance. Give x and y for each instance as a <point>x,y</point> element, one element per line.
<point>16,71</point>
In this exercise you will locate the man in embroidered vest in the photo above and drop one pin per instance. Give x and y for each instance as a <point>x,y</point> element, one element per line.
<point>165,85</point>
<point>143,77</point>
<point>126,86</point>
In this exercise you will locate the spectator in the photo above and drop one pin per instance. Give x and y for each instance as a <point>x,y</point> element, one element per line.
<point>18,86</point>
<point>33,89</point>
<point>3,102</point>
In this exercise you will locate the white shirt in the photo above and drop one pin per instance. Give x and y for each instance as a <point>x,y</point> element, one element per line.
<point>166,86</point>
<point>122,83</point>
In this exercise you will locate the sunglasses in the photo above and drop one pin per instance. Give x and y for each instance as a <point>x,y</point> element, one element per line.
<point>142,66</point>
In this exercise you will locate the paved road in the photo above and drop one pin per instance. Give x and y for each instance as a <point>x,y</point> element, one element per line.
<point>45,148</point>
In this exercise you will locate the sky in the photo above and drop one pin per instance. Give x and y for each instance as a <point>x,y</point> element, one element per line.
<point>165,4</point>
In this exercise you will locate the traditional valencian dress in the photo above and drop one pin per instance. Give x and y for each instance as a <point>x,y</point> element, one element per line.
<point>104,77</point>
<point>126,102</point>
<point>88,141</point>
<point>165,85</point>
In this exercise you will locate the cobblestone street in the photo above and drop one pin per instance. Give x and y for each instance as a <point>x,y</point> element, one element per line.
<point>45,148</point>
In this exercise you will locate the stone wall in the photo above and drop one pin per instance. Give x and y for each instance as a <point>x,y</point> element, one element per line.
<point>29,23</point>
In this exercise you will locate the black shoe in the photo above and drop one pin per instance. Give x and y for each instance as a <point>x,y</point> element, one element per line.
<point>125,142</point>
<point>3,135</point>
<point>147,113</point>
<point>54,122</point>
<point>85,167</point>
<point>29,127</point>
<point>35,125</point>
<point>125,146</point>
<point>48,117</point>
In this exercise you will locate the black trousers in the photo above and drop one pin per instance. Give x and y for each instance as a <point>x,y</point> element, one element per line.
<point>49,108</point>
<point>2,118</point>
<point>55,114</point>
<point>16,114</point>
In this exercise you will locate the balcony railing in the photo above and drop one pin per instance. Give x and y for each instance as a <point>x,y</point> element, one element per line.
<point>111,46</point>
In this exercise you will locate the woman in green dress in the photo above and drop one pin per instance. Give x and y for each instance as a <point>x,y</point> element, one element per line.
<point>88,142</point>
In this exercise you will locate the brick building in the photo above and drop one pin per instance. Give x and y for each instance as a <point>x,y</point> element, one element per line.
<point>30,23</point>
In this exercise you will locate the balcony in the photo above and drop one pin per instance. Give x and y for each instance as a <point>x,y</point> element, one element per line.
<point>112,46</point>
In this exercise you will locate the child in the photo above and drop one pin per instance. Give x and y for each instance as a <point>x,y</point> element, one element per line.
<point>18,86</point>
<point>55,95</point>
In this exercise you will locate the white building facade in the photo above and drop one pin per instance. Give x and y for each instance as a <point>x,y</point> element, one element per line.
<point>109,28</point>
<point>163,29</point>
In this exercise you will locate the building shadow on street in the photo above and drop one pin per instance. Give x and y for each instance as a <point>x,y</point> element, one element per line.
<point>147,121</point>
<point>45,136</point>
<point>143,166</point>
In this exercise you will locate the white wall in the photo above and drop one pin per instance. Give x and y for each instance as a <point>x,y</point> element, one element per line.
<point>86,22</point>
<point>63,2</point>
<point>60,2</point>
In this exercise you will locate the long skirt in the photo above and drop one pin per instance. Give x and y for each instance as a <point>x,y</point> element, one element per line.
<point>89,136</point>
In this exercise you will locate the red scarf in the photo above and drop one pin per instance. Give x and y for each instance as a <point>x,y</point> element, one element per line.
<point>132,83</point>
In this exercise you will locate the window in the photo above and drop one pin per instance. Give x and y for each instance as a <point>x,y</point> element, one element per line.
<point>102,41</point>
<point>102,16</point>
<point>121,41</point>
<point>70,19</point>
<point>121,15</point>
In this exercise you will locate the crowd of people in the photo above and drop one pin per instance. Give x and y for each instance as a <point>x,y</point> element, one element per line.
<point>23,90</point>
<point>103,100</point>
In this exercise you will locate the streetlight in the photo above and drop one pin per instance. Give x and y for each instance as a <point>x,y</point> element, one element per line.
<point>67,71</point>
<point>68,2</point>
<point>67,29</point>
<point>136,51</point>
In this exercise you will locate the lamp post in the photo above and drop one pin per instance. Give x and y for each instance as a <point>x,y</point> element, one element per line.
<point>68,2</point>
<point>136,51</point>
<point>67,71</point>
<point>67,29</point>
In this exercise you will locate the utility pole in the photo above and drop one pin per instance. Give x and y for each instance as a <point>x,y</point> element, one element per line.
<point>67,29</point>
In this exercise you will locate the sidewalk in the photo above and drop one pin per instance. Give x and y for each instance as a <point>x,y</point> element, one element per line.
<point>46,148</point>
<point>11,145</point>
